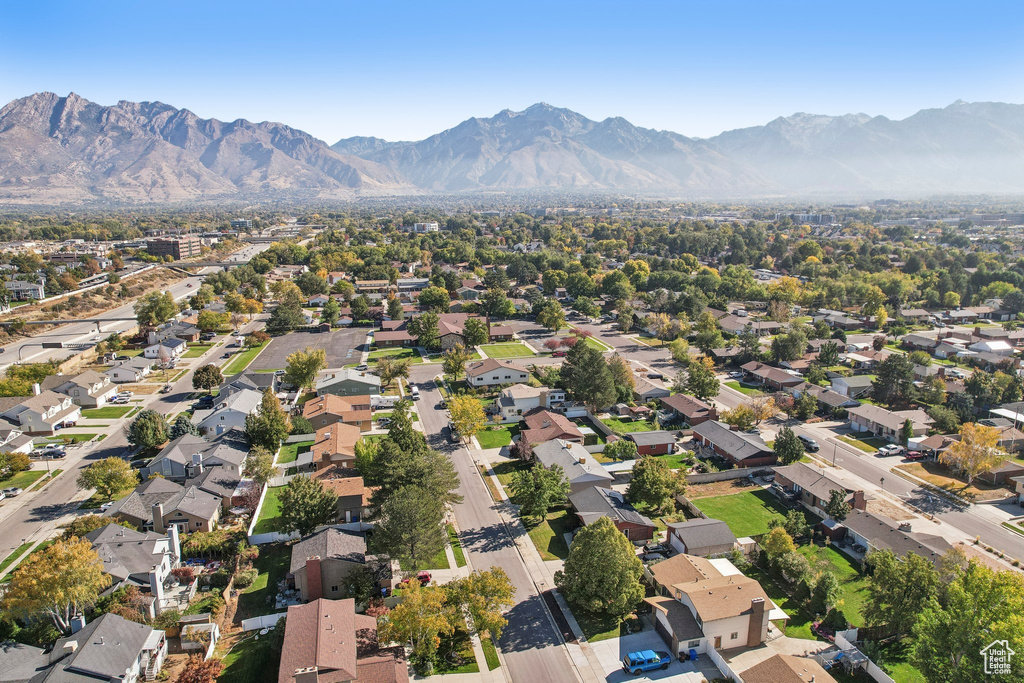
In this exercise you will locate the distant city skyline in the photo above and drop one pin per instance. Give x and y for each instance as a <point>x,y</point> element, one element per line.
<point>403,71</point>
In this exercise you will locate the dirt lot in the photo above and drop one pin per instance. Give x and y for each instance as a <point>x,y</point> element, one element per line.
<point>890,510</point>
<point>717,488</point>
<point>343,348</point>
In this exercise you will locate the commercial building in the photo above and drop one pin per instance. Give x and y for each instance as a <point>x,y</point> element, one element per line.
<point>182,246</point>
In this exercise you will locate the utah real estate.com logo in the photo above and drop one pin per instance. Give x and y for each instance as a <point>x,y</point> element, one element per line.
<point>997,658</point>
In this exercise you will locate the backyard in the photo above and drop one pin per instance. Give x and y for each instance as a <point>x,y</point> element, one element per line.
<point>290,451</point>
<point>506,350</point>
<point>270,513</point>
<point>628,426</point>
<point>272,565</point>
<point>747,513</point>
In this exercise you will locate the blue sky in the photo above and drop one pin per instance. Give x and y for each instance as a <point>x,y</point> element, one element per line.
<point>404,70</point>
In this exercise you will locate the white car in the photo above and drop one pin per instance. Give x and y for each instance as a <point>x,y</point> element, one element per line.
<point>126,393</point>
<point>891,449</point>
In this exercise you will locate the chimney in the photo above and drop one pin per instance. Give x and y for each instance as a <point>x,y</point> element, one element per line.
<point>77,624</point>
<point>175,542</point>
<point>158,518</point>
<point>70,647</point>
<point>156,588</point>
<point>36,389</point>
<point>314,579</point>
<point>306,675</point>
<point>859,502</point>
<point>757,624</point>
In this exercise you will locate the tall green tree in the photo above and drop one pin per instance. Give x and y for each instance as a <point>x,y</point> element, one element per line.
<point>306,504</point>
<point>304,365</point>
<point>435,299</point>
<point>788,447</point>
<point>148,430</point>
<point>899,589</point>
<point>109,477</point>
<point>654,486</point>
<point>410,526</point>
<point>259,465</point>
<point>551,316</point>
<point>485,595</point>
<point>475,332</point>
<point>182,426</point>
<point>331,311</point>
<point>701,380</point>
<point>424,328</point>
<point>155,308</point>
<point>496,305</point>
<point>602,574</point>
<point>360,307</point>
<point>453,361</point>
<point>538,489</point>
<point>894,381</point>
<point>207,377</point>
<point>269,424</point>
<point>836,506</point>
<point>587,378</point>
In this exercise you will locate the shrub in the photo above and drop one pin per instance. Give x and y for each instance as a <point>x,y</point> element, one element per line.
<point>184,574</point>
<point>220,578</point>
<point>245,577</point>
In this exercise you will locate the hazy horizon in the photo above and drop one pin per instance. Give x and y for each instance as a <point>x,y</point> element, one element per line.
<point>406,71</point>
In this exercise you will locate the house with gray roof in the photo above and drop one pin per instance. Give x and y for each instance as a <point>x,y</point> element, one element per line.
<point>578,465</point>
<point>143,559</point>
<point>874,533</point>
<point>42,413</point>
<point>189,455</point>
<point>658,442</point>
<point>228,412</point>
<point>701,537</point>
<point>89,389</point>
<point>321,562</point>
<point>159,503</point>
<point>592,503</point>
<point>347,382</point>
<point>887,424</point>
<point>814,486</point>
<point>853,387</point>
<point>20,663</point>
<point>111,648</point>
<point>131,370</point>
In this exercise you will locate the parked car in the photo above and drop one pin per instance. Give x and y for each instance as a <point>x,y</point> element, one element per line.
<point>362,367</point>
<point>915,455</point>
<point>655,375</point>
<point>415,393</point>
<point>558,354</point>
<point>656,548</point>
<point>126,393</point>
<point>11,492</point>
<point>736,374</point>
<point>384,421</point>
<point>423,577</point>
<point>891,449</point>
<point>166,389</point>
<point>652,557</point>
<point>207,336</point>
<point>636,663</point>
<point>106,506</point>
<point>119,400</point>
<point>809,444</point>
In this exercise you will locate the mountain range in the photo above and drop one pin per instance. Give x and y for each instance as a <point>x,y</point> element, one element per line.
<point>68,150</point>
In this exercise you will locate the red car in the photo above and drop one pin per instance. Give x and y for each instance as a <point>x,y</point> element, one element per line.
<point>558,354</point>
<point>423,577</point>
<point>915,455</point>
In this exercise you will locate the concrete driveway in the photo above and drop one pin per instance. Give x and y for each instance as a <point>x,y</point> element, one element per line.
<point>610,653</point>
<point>342,346</point>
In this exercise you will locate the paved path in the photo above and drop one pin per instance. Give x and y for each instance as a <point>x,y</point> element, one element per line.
<point>531,647</point>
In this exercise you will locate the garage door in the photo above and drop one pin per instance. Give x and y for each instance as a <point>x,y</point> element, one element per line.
<point>660,629</point>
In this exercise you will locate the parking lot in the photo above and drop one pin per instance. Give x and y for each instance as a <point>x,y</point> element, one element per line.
<point>342,346</point>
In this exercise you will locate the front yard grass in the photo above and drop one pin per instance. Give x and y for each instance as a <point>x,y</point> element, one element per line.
<point>106,412</point>
<point>290,451</point>
<point>506,350</point>
<point>22,480</point>
<point>504,471</point>
<point>15,554</point>
<point>65,437</point>
<point>490,437</point>
<point>547,535</point>
<point>868,444</point>
<point>490,653</point>
<point>455,655</point>
<point>398,353</point>
<point>939,475</point>
<point>272,565</point>
<point>196,350</point>
<point>599,627</point>
<point>597,344</point>
<point>746,389</point>
<point>627,426</point>
<point>240,361</point>
<point>270,513</point>
<point>438,561</point>
<point>747,513</point>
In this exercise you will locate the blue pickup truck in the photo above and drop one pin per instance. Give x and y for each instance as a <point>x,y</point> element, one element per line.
<point>637,663</point>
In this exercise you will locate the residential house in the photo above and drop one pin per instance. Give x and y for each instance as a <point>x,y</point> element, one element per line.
<point>228,412</point>
<point>42,413</point>
<point>782,668</point>
<point>347,382</point>
<point>857,386</point>
<point>325,640</point>
<point>26,291</point>
<point>1003,473</point>
<point>543,425</point>
<point>593,503</point>
<point>680,568</point>
<point>742,450</point>
<point>334,277</point>
<point>579,466</point>
<point>687,409</point>
<point>451,329</point>
<point>917,315</point>
<point>519,399</point>
<point>501,333</point>
<point>814,486</point>
<point>160,503</point>
<point>769,376</point>
<point>330,409</point>
<point>89,389</point>
<point>645,390</point>
<point>410,285</point>
<point>167,350</point>
<point>734,324</point>
<point>333,446</point>
<point>220,482</point>
<point>727,354</point>
<point>701,537</point>
<point>963,316</point>
<point>874,533</point>
<point>317,300</point>
<point>658,442</point>
<point>143,559</point>
<point>997,347</point>
<point>918,342</point>
<point>131,370</point>
<point>389,339</point>
<point>111,648</point>
<point>829,401</point>
<point>13,440</point>
<point>492,372</point>
<point>254,381</point>
<point>887,424</point>
<point>189,456</point>
<point>322,561</point>
<point>174,330</point>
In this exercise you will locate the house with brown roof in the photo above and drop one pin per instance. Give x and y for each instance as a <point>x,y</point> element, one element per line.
<point>687,409</point>
<point>887,424</point>
<point>769,376</point>
<point>681,568</point>
<point>814,486</point>
<point>520,399</point>
<point>782,668</point>
<point>329,409</point>
<point>326,641</point>
<point>387,339</point>
<point>335,446</point>
<point>739,448</point>
<point>492,372</point>
<point>543,425</point>
<point>594,502</point>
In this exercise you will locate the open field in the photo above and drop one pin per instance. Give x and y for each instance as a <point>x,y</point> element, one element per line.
<point>507,350</point>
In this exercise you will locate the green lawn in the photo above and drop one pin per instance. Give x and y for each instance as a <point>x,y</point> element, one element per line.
<point>240,361</point>
<point>868,444</point>
<point>272,564</point>
<point>453,539</point>
<point>15,554</point>
<point>75,438</point>
<point>496,438</point>
<point>627,426</point>
<point>599,627</point>
<point>852,584</point>
<point>455,655</point>
<point>743,388</point>
<point>412,415</point>
<point>438,561</point>
<point>251,660</point>
<point>22,480</point>
<point>290,451</point>
<point>895,662</point>
<point>106,412</point>
<point>270,513</point>
<point>746,513</point>
<point>799,624</point>
<point>506,350</point>
<point>490,653</point>
<point>196,350</point>
<point>676,461</point>
<point>505,470</point>
<point>547,535</point>
<point>397,354</point>
<point>597,344</point>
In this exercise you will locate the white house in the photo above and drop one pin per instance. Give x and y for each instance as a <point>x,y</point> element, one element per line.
<point>131,370</point>
<point>23,291</point>
<point>492,372</point>
<point>167,349</point>
<point>42,413</point>
<point>229,413</point>
<point>996,346</point>
<point>89,389</point>
<point>519,399</point>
